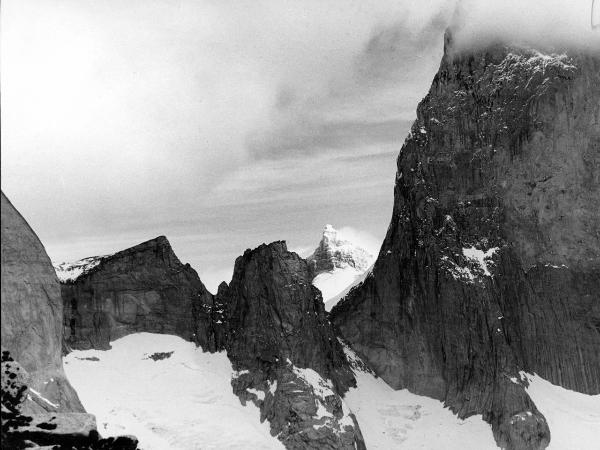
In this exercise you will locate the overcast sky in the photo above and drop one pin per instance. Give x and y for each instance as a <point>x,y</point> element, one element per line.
<point>223,124</point>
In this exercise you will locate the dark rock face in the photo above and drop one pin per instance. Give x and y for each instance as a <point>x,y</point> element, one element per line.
<point>144,288</point>
<point>288,359</point>
<point>491,263</point>
<point>32,315</point>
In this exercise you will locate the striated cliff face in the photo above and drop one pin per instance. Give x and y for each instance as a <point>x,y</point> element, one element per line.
<point>491,263</point>
<point>32,317</point>
<point>143,288</point>
<point>287,357</point>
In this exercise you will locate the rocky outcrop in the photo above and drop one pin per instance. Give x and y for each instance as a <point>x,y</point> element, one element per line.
<point>32,315</point>
<point>334,252</point>
<point>73,430</point>
<point>287,357</point>
<point>491,263</point>
<point>144,288</point>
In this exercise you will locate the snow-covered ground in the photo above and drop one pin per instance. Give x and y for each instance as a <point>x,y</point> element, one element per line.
<point>184,401</point>
<point>392,419</point>
<point>573,418</point>
<point>336,284</point>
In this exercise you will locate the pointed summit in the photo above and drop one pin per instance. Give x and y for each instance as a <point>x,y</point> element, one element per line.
<point>336,252</point>
<point>337,265</point>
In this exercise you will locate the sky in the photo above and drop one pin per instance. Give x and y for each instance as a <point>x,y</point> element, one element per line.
<point>225,124</point>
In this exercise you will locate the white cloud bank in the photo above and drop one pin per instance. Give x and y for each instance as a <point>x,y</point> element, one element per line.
<point>224,124</point>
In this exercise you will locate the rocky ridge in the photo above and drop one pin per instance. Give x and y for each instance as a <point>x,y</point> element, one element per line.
<point>491,263</point>
<point>337,265</point>
<point>335,252</point>
<point>270,320</point>
<point>39,405</point>
<point>143,288</point>
<point>287,357</point>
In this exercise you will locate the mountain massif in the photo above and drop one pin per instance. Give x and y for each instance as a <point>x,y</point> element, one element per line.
<point>489,272</point>
<point>143,288</point>
<point>491,263</point>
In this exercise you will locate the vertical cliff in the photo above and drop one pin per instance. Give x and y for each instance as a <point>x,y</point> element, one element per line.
<point>143,288</point>
<point>491,263</point>
<point>288,358</point>
<point>32,316</point>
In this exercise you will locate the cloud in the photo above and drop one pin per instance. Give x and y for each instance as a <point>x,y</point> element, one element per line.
<point>224,124</point>
<point>546,25</point>
<point>361,238</point>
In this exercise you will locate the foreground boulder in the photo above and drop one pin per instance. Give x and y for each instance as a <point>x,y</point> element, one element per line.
<point>32,314</point>
<point>144,288</point>
<point>287,357</point>
<point>65,430</point>
<point>491,263</point>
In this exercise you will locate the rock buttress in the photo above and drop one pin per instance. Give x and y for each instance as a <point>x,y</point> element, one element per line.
<point>32,316</point>
<point>142,289</point>
<point>287,357</point>
<point>491,263</point>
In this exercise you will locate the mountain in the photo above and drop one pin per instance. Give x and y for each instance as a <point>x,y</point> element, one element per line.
<point>39,405</point>
<point>490,269</point>
<point>337,265</point>
<point>283,354</point>
<point>32,315</point>
<point>143,288</point>
<point>288,359</point>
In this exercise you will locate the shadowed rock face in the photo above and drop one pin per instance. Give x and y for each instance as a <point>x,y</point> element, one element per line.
<point>32,315</point>
<point>491,263</point>
<point>288,359</point>
<point>144,288</point>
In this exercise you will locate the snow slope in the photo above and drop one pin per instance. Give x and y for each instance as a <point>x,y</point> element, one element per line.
<point>573,417</point>
<point>184,401</point>
<point>392,419</point>
<point>346,265</point>
<point>334,285</point>
<point>70,271</point>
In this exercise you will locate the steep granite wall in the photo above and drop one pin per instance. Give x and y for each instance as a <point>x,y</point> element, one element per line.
<point>143,288</point>
<point>288,359</point>
<point>32,316</point>
<point>491,263</point>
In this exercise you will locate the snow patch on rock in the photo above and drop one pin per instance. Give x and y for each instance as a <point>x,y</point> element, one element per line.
<point>323,390</point>
<point>68,272</point>
<point>480,257</point>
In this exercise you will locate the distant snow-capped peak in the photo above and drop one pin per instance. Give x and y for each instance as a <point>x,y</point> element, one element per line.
<point>338,265</point>
<point>336,252</point>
